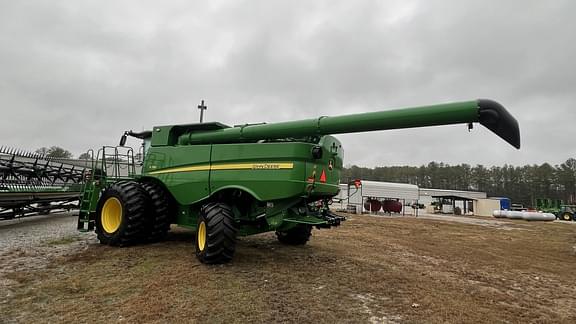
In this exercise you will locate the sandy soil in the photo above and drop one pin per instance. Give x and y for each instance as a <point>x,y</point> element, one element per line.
<point>370,270</point>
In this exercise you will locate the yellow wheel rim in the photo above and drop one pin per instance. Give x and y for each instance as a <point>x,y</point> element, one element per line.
<point>111,215</point>
<point>567,216</point>
<point>201,236</point>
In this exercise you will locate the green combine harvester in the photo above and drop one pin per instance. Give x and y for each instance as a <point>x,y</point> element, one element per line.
<point>223,181</point>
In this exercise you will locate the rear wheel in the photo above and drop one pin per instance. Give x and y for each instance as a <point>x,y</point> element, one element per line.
<point>120,215</point>
<point>566,216</point>
<point>298,235</point>
<point>158,220</point>
<point>216,234</point>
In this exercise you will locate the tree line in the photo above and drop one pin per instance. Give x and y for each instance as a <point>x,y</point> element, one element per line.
<point>54,152</point>
<point>58,152</point>
<point>522,184</point>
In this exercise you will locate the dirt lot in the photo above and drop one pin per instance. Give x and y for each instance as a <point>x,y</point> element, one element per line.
<point>371,269</point>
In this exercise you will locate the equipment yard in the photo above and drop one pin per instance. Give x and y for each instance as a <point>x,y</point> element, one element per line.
<point>370,269</point>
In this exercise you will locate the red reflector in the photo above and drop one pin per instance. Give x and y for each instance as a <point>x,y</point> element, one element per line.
<point>357,183</point>
<point>323,176</point>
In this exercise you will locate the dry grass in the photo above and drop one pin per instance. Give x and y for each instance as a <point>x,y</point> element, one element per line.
<point>63,240</point>
<point>371,269</point>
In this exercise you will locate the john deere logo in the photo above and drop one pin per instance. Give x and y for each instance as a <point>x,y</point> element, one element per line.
<point>330,165</point>
<point>265,166</point>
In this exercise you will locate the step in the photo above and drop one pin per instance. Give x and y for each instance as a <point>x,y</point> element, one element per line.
<point>84,218</point>
<point>83,228</point>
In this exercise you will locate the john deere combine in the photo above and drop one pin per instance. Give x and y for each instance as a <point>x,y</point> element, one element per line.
<point>226,181</point>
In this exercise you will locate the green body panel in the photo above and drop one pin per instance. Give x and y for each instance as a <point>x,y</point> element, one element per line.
<point>187,187</point>
<point>287,182</point>
<point>267,171</point>
<point>331,163</point>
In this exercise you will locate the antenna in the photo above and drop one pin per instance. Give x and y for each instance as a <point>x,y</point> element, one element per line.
<point>202,107</point>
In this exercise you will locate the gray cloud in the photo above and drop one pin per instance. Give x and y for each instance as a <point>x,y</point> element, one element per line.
<point>78,73</point>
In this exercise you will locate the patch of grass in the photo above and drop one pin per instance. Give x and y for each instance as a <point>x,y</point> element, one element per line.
<point>63,240</point>
<point>20,277</point>
<point>147,266</point>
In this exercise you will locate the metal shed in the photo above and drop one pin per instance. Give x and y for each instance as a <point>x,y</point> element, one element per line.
<point>353,200</point>
<point>449,199</point>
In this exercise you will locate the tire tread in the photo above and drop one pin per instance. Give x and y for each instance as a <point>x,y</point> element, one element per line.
<point>221,233</point>
<point>298,235</point>
<point>134,205</point>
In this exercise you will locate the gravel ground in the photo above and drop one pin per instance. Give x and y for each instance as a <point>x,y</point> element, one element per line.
<point>30,243</point>
<point>30,231</point>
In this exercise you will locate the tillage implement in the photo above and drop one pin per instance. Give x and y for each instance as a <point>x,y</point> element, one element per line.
<point>223,182</point>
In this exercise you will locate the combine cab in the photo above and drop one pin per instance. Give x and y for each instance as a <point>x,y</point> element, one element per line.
<point>223,181</point>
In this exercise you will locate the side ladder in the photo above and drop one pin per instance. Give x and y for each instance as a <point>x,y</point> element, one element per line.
<point>85,221</point>
<point>87,207</point>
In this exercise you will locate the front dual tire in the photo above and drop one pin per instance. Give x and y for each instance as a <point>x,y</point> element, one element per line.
<point>121,214</point>
<point>129,213</point>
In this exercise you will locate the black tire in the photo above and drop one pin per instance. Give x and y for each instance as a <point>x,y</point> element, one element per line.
<point>566,216</point>
<point>122,222</point>
<point>158,219</point>
<point>215,234</point>
<point>298,235</point>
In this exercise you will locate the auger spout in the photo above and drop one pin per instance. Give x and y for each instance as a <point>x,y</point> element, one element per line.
<point>486,112</point>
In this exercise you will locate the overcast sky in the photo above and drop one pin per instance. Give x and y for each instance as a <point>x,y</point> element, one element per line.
<point>78,73</point>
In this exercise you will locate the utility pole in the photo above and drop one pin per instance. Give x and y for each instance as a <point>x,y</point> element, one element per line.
<point>202,107</point>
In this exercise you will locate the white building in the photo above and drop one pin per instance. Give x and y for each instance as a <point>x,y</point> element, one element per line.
<point>469,202</point>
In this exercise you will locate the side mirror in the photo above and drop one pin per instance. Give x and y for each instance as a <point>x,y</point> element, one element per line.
<point>123,139</point>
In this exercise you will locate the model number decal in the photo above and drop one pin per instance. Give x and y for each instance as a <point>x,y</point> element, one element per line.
<point>268,166</point>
